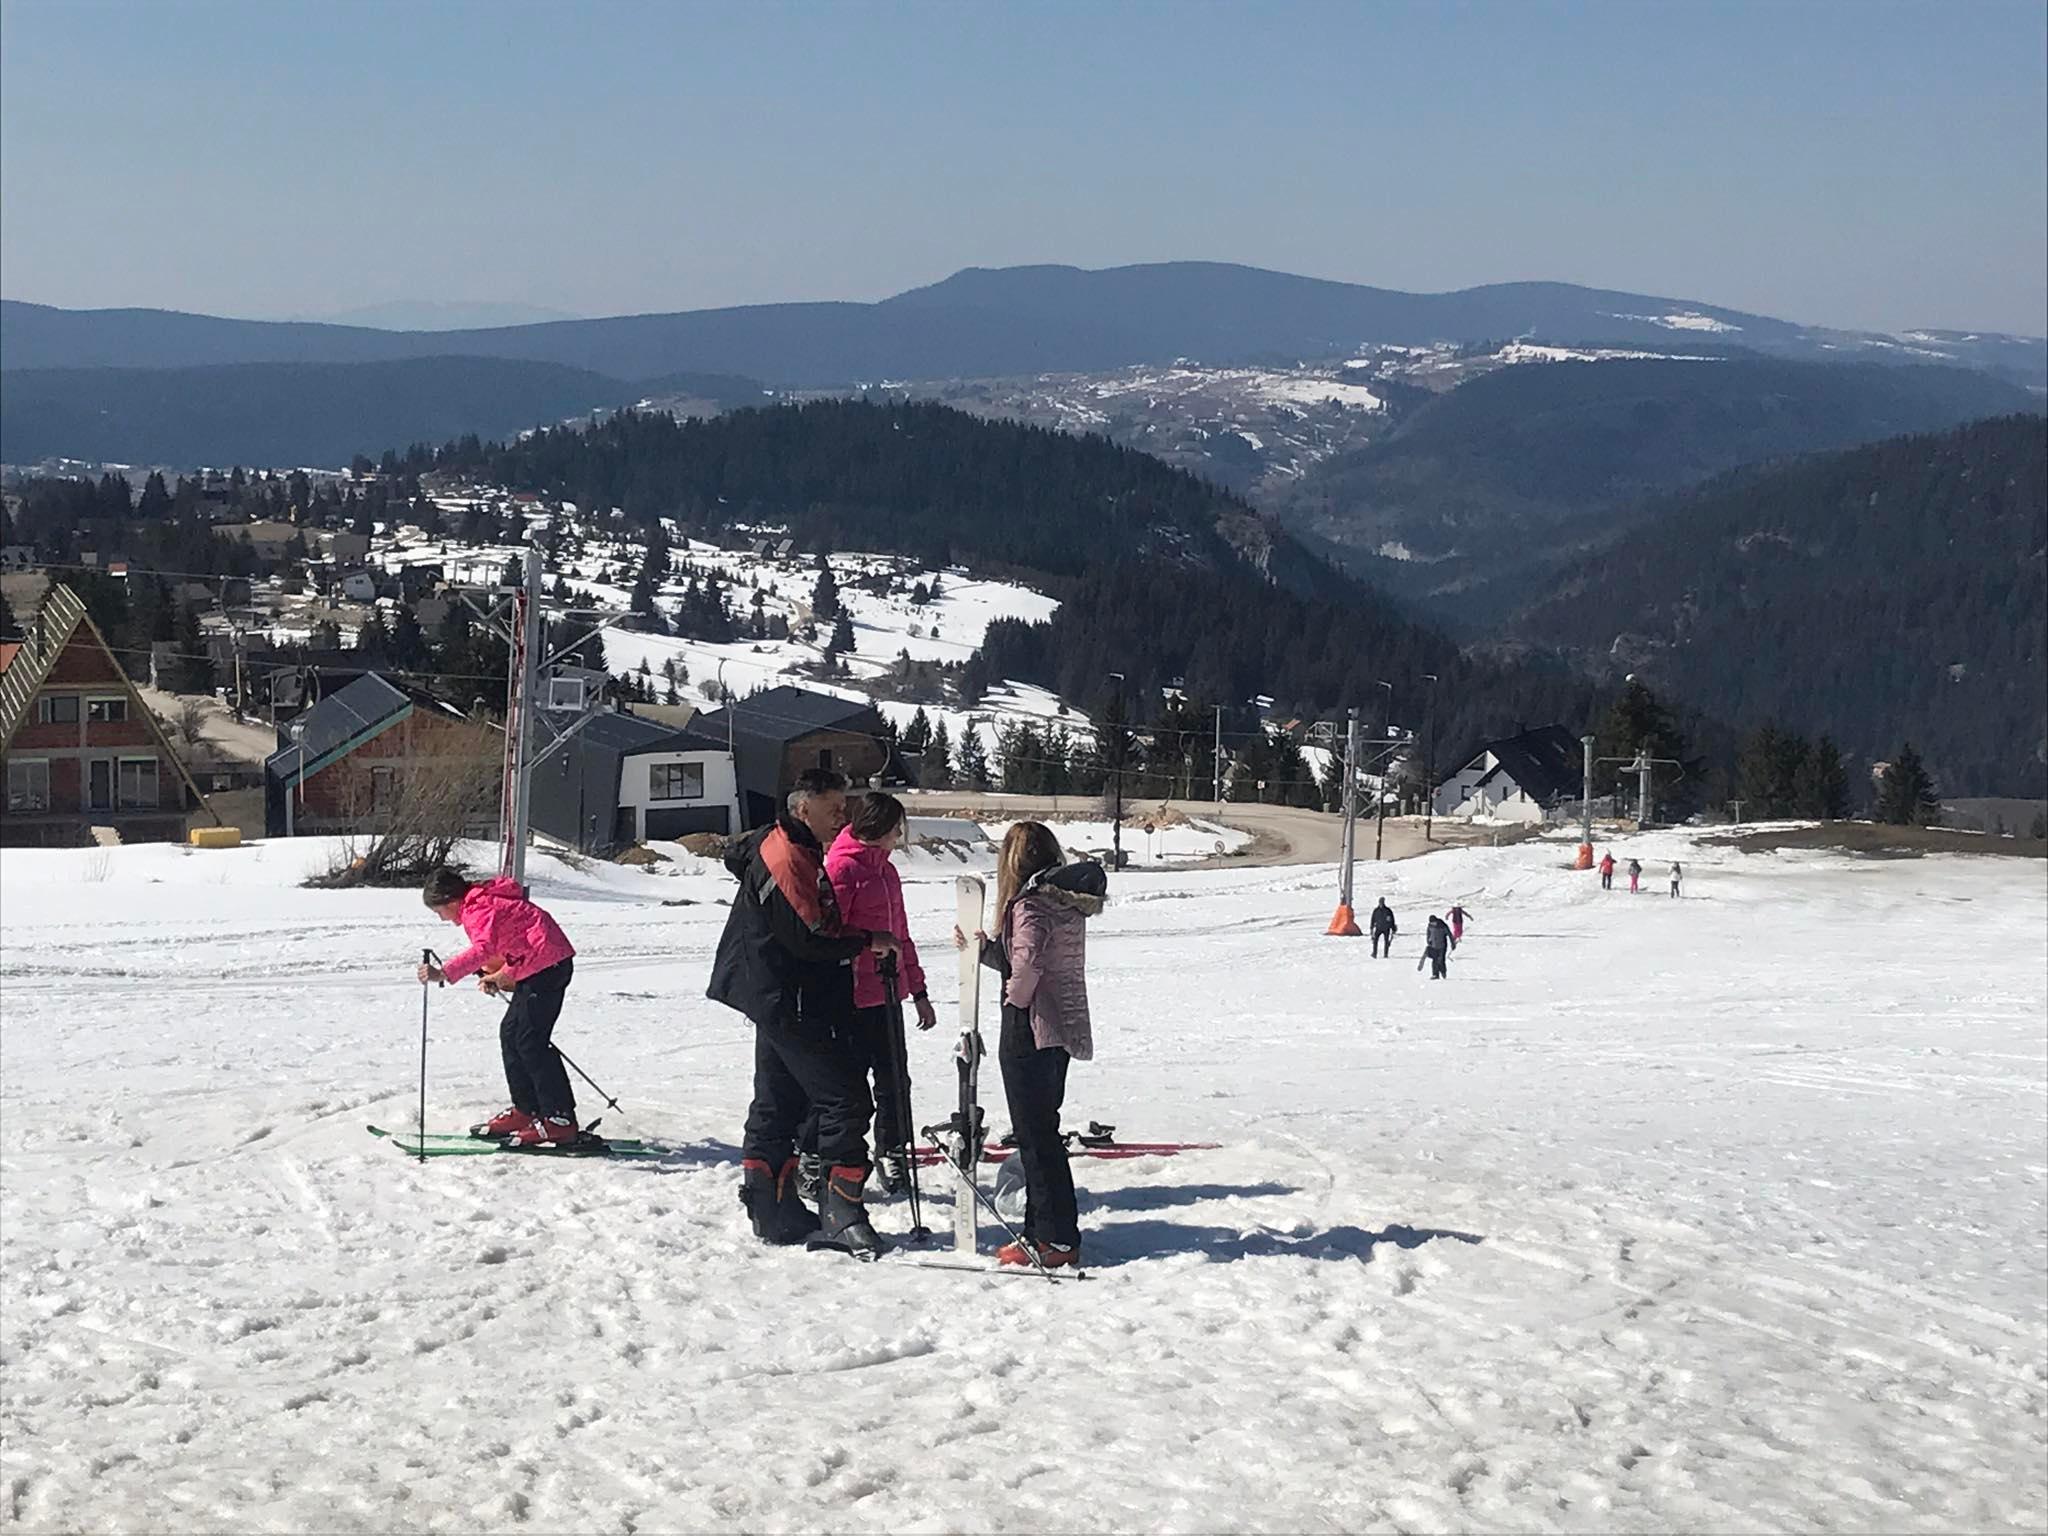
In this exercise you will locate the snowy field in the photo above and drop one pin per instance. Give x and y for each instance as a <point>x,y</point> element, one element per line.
<point>1720,1214</point>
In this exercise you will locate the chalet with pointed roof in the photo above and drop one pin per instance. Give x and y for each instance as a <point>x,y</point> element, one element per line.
<point>81,749</point>
<point>1518,778</point>
<point>779,732</point>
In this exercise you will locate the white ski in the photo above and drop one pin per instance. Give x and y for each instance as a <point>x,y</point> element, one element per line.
<point>964,1134</point>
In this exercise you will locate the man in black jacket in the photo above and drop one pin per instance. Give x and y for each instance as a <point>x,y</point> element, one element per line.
<point>1436,947</point>
<point>1383,929</point>
<point>785,961</point>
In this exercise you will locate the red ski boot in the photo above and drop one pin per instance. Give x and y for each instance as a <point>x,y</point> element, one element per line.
<point>550,1130</point>
<point>506,1122</point>
<point>1051,1255</point>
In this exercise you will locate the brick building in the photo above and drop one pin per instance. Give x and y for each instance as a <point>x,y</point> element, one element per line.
<point>81,748</point>
<point>367,754</point>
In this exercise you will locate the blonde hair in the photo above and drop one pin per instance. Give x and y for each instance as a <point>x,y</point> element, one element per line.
<point>1028,848</point>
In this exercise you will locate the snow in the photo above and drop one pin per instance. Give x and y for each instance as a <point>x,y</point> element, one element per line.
<point>1684,320</point>
<point>1723,1213</point>
<point>1176,844</point>
<point>1532,352</point>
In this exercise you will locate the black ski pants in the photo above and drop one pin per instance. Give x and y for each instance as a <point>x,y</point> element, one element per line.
<point>1035,1083</point>
<point>533,1070</point>
<point>1439,966</point>
<point>1382,938</point>
<point>808,1077</point>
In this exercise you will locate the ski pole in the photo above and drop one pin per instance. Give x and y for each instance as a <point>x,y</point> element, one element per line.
<point>427,957</point>
<point>610,1102</point>
<point>899,1051</point>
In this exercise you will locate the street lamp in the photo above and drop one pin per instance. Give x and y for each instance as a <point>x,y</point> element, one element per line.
<point>1117,723</point>
<point>1379,842</point>
<point>1429,759</point>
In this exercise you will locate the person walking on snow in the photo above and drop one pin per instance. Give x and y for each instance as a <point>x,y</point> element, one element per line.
<point>524,955</point>
<point>1383,929</point>
<point>1676,876</point>
<point>1041,949</point>
<point>1607,872</point>
<point>870,895</point>
<point>1635,876</point>
<point>1436,947</point>
<point>1457,916</point>
<point>784,961</point>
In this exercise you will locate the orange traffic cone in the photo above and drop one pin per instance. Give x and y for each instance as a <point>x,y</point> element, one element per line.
<point>1585,860</point>
<point>1343,925</point>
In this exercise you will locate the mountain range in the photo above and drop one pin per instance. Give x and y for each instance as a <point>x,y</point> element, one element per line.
<point>985,322</point>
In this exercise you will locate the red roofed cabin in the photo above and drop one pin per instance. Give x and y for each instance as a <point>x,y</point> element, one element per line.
<point>81,749</point>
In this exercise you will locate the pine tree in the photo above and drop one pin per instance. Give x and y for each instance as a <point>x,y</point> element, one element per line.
<point>155,505</point>
<point>408,640</point>
<point>842,635</point>
<point>1906,795</point>
<point>11,630</point>
<point>1769,773</point>
<point>825,595</point>
<point>918,734</point>
<point>970,761</point>
<point>1823,787</point>
<point>195,663</point>
<point>938,760</point>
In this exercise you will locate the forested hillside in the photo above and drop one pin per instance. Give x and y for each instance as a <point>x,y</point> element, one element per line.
<point>1464,504</point>
<point>1892,592</point>
<point>918,478</point>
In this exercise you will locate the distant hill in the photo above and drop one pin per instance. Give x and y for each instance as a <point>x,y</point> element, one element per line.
<point>982,323</point>
<point>445,315</point>
<point>1466,504</point>
<point>1898,590</point>
<point>301,413</point>
<point>1164,575</point>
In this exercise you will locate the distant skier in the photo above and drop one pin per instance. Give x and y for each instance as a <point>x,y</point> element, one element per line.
<point>870,895</point>
<point>1436,947</point>
<point>1635,876</point>
<point>522,952</point>
<point>1457,916</point>
<point>1676,875</point>
<point>1040,948</point>
<point>1383,929</point>
<point>1607,872</point>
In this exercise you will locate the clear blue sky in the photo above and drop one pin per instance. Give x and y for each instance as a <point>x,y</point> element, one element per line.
<point>1874,164</point>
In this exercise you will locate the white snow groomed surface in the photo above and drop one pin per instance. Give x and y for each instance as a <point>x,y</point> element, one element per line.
<point>1721,1214</point>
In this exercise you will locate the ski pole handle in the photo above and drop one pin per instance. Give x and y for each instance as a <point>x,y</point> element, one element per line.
<point>428,957</point>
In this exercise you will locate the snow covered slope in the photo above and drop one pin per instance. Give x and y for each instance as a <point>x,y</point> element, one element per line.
<point>1723,1213</point>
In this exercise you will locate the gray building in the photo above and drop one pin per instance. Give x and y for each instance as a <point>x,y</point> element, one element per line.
<point>622,780</point>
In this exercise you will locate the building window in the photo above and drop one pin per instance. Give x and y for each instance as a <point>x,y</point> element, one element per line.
<point>28,784</point>
<point>138,784</point>
<point>825,759</point>
<point>57,709</point>
<point>106,711</point>
<point>383,789</point>
<point>675,781</point>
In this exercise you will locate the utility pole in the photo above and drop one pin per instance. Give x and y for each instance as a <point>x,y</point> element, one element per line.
<point>1429,762</point>
<point>1216,760</point>
<point>1379,846</point>
<point>1643,772</point>
<point>1738,811</point>
<point>1117,831</point>
<point>1586,808</point>
<point>1344,923</point>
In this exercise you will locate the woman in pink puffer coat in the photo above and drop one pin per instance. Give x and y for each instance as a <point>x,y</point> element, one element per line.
<point>521,952</point>
<point>870,895</point>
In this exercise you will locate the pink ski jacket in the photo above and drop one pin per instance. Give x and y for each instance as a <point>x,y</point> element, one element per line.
<point>504,926</point>
<point>870,896</point>
<point>1045,942</point>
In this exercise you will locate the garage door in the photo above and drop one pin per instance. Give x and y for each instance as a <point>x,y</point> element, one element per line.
<point>669,824</point>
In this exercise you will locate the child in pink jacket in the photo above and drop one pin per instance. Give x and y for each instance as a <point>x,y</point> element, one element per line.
<point>870,896</point>
<point>521,952</point>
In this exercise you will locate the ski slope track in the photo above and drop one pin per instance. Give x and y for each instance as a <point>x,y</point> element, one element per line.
<point>1724,1213</point>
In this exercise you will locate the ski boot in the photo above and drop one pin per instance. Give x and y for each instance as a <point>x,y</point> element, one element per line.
<point>843,1218</point>
<point>772,1205</point>
<point>891,1175</point>
<point>1050,1255</point>
<point>810,1176</point>
<point>506,1122</point>
<point>545,1130</point>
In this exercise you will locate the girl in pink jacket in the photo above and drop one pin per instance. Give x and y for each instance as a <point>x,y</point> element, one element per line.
<point>521,952</point>
<point>870,895</point>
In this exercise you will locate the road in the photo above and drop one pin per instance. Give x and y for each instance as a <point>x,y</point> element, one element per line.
<point>1282,834</point>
